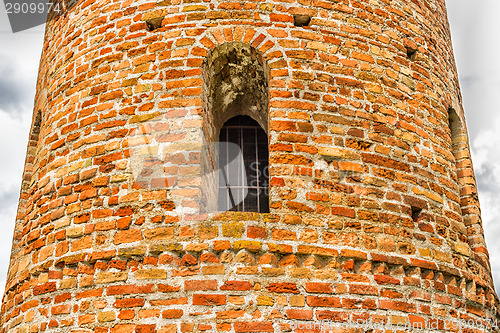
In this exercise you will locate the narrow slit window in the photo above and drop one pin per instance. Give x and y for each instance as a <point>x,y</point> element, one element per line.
<point>35,132</point>
<point>243,166</point>
<point>456,136</point>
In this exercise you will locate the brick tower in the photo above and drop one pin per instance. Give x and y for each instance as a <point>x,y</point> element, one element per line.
<point>366,207</point>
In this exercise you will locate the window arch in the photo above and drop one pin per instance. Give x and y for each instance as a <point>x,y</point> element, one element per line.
<point>243,166</point>
<point>235,100</point>
<point>235,82</point>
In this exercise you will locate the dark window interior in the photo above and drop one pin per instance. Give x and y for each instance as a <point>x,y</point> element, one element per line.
<point>243,179</point>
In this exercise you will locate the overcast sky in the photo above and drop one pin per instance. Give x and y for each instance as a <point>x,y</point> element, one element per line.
<point>475,36</point>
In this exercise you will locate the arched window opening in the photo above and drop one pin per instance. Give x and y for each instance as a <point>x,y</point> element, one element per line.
<point>35,131</point>
<point>457,136</point>
<point>243,166</point>
<point>235,118</point>
<point>33,146</point>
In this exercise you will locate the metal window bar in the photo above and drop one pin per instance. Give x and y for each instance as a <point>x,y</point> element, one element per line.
<point>234,194</point>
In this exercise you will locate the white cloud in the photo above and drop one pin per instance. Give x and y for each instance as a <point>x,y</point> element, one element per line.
<point>474,28</point>
<point>12,129</point>
<point>486,157</point>
<point>19,60</point>
<point>14,134</point>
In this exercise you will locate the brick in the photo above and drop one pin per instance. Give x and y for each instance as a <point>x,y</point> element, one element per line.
<point>233,229</point>
<point>200,285</point>
<point>89,293</point>
<point>256,232</point>
<point>129,303</point>
<point>172,313</point>
<point>230,314</point>
<point>424,264</point>
<point>299,314</point>
<point>128,236</point>
<point>44,288</point>
<point>318,301</point>
<point>61,309</point>
<point>253,246</point>
<point>145,274</point>
<point>209,299</point>
<point>383,279</point>
<point>385,162</point>
<point>362,290</point>
<point>109,277</point>
<point>173,301</point>
<point>243,327</point>
<point>236,285</point>
<point>106,316</point>
<point>285,287</point>
<point>318,287</point>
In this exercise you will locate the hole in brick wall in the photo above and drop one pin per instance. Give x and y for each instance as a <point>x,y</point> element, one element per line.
<point>427,274</point>
<point>451,280</point>
<point>440,277</point>
<point>154,23</point>
<point>416,213</point>
<point>301,20</point>
<point>411,271</point>
<point>411,53</point>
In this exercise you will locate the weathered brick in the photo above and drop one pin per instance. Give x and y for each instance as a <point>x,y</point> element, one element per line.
<point>285,287</point>
<point>200,285</point>
<point>318,287</point>
<point>129,303</point>
<point>199,299</point>
<point>253,327</point>
<point>236,285</point>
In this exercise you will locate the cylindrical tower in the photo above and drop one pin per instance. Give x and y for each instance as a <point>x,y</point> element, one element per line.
<point>366,208</point>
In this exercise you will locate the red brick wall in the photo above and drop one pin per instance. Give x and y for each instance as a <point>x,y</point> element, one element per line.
<point>359,138</point>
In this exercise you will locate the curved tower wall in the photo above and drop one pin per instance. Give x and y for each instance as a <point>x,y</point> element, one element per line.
<point>374,210</point>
